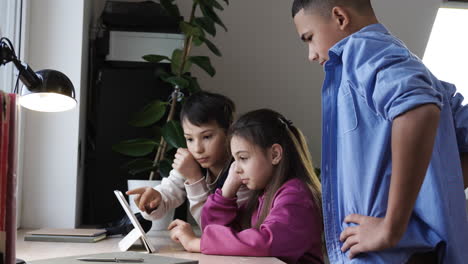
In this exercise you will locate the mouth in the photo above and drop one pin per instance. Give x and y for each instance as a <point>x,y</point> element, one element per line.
<point>322,62</point>
<point>245,181</point>
<point>202,160</point>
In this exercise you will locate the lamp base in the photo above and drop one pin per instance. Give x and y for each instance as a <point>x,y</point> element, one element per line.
<point>20,261</point>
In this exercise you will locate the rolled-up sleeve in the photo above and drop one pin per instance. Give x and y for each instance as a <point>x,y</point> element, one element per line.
<point>403,83</point>
<point>460,116</point>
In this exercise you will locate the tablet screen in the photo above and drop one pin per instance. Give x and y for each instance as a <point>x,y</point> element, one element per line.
<point>136,224</point>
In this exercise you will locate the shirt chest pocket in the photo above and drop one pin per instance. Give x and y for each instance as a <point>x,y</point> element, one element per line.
<point>347,117</point>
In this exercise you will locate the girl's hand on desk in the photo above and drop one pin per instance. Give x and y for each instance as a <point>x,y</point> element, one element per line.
<point>146,198</point>
<point>182,232</point>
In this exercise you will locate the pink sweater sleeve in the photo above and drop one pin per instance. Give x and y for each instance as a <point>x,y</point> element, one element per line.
<point>219,210</point>
<point>291,230</point>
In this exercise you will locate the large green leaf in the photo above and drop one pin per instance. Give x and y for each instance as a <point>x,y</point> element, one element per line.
<point>204,63</point>
<point>137,166</point>
<point>209,12</point>
<point>212,3</point>
<point>173,134</point>
<point>178,81</point>
<point>135,147</point>
<point>176,61</point>
<point>170,8</point>
<point>150,114</point>
<point>197,41</point>
<point>162,74</point>
<point>211,46</point>
<point>207,24</point>
<point>190,30</point>
<point>177,57</point>
<point>194,86</point>
<point>155,58</point>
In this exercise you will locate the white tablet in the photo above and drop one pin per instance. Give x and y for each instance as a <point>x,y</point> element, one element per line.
<point>137,232</point>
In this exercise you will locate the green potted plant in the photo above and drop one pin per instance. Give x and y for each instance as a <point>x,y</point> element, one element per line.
<point>169,136</point>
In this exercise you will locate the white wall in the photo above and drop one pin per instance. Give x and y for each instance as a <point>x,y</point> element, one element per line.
<point>56,40</point>
<point>264,63</point>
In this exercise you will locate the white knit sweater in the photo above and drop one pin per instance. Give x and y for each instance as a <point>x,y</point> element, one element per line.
<point>175,188</point>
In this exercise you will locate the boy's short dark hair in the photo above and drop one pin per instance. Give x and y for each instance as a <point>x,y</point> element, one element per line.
<point>325,6</point>
<point>204,107</point>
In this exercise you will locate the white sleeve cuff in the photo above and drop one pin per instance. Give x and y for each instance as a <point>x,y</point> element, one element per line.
<point>196,189</point>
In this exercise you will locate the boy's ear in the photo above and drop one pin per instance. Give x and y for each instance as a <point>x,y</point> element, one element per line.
<point>342,17</point>
<point>276,154</point>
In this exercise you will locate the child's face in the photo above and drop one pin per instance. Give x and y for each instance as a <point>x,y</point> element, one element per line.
<point>254,166</point>
<point>319,32</point>
<point>206,143</point>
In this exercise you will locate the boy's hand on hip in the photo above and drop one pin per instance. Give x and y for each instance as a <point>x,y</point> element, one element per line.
<point>187,165</point>
<point>233,182</point>
<point>370,234</point>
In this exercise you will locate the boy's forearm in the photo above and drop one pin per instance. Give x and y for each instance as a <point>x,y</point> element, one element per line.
<point>413,135</point>
<point>464,162</point>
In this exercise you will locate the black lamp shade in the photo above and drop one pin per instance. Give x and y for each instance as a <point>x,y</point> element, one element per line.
<point>55,93</point>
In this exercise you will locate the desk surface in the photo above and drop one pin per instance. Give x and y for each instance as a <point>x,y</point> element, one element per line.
<point>29,250</point>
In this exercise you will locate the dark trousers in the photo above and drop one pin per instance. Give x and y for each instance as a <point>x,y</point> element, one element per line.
<point>423,258</point>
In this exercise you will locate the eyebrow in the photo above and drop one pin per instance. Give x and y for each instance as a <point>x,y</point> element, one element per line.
<point>204,131</point>
<point>240,151</point>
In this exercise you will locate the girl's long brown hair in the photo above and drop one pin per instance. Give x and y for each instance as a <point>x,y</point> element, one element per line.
<point>264,128</point>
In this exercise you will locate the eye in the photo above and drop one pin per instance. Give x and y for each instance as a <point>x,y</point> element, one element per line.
<point>243,158</point>
<point>207,136</point>
<point>309,38</point>
<point>189,139</point>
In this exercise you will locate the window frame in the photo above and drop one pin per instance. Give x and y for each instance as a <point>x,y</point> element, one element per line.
<point>11,12</point>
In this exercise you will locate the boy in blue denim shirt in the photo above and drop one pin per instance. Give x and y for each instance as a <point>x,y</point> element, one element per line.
<point>394,139</point>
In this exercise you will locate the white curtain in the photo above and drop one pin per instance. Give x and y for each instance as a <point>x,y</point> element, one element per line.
<point>12,27</point>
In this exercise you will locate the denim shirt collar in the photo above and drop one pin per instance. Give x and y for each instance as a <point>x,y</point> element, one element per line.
<point>337,49</point>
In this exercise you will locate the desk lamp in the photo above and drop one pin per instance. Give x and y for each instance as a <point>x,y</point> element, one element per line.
<point>45,90</point>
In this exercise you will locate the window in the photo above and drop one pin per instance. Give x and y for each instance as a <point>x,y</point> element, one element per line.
<point>10,17</point>
<point>446,52</point>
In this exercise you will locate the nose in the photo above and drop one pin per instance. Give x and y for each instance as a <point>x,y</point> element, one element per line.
<point>199,148</point>
<point>313,56</point>
<point>238,169</point>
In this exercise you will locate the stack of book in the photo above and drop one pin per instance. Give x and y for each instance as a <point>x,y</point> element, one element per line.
<point>7,177</point>
<point>66,235</point>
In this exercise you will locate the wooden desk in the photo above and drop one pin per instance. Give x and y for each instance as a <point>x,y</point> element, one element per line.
<point>29,251</point>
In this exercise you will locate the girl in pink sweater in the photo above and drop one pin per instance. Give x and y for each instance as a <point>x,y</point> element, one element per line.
<point>283,217</point>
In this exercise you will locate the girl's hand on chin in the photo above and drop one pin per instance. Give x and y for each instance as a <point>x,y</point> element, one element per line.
<point>233,182</point>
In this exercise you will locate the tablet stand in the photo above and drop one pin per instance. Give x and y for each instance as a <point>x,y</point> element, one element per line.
<point>137,232</point>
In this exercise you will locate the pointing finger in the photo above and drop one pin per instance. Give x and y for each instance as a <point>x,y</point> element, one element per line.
<point>136,191</point>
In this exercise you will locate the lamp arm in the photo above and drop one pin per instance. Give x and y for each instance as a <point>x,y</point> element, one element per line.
<point>27,75</point>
